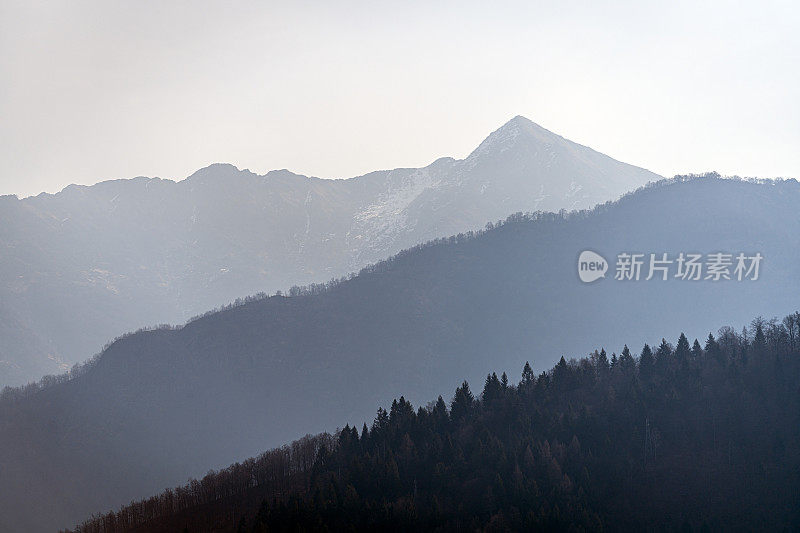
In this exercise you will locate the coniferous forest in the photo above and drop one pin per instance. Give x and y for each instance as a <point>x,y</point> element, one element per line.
<point>690,436</point>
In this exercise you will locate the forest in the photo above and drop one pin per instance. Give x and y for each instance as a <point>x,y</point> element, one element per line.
<point>695,436</point>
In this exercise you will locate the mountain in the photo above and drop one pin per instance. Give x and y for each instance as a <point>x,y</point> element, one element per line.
<point>159,406</point>
<point>572,449</point>
<point>90,263</point>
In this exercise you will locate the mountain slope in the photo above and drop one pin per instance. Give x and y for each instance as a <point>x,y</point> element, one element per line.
<point>90,263</point>
<point>574,448</point>
<point>162,405</point>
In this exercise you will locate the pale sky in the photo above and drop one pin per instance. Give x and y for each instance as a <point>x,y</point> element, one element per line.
<point>99,90</point>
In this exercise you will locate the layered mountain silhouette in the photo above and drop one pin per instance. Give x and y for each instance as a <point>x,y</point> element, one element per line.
<point>160,406</point>
<point>85,265</point>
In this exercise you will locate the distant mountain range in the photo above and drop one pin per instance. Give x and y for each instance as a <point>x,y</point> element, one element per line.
<point>85,265</point>
<point>159,406</point>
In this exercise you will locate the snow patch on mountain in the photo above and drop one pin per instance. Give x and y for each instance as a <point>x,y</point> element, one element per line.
<point>386,217</point>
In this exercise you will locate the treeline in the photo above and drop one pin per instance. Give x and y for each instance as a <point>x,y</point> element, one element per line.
<point>9,395</point>
<point>544,217</point>
<point>695,436</point>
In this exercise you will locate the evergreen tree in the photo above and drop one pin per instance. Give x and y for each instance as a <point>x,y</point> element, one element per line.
<point>439,412</point>
<point>492,389</point>
<point>626,362</point>
<point>663,356</point>
<point>697,351</point>
<point>401,412</point>
<point>381,421</point>
<point>602,362</point>
<point>712,349</point>
<point>682,351</point>
<point>646,363</point>
<point>759,340</point>
<point>561,374</point>
<point>462,403</point>
<point>527,375</point>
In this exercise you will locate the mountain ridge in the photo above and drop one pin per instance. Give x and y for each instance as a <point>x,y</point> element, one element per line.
<point>508,130</point>
<point>122,254</point>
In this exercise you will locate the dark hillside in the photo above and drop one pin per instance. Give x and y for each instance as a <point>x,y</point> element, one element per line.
<point>701,437</point>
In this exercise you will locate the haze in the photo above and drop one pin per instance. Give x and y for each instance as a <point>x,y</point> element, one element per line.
<point>99,90</point>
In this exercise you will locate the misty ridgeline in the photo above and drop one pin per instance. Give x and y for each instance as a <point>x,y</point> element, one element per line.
<point>89,263</point>
<point>694,437</point>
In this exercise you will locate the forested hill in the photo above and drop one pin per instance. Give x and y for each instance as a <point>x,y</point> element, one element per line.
<point>160,406</point>
<point>692,437</point>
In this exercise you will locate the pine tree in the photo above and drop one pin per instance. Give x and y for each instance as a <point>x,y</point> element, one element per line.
<point>561,373</point>
<point>759,341</point>
<point>492,389</point>
<point>440,410</point>
<point>697,351</point>
<point>682,351</point>
<point>626,361</point>
<point>646,363</point>
<point>712,349</point>
<point>381,421</point>
<point>601,363</point>
<point>462,403</point>
<point>527,375</point>
<point>663,355</point>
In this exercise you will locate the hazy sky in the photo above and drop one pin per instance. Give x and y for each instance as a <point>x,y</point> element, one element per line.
<point>99,90</point>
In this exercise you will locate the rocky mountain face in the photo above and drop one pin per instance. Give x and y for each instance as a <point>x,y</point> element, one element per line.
<point>90,263</point>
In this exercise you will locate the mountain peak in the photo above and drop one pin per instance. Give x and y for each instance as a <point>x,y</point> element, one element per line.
<point>215,169</point>
<point>510,134</point>
<point>219,174</point>
<point>519,120</point>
